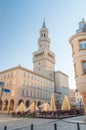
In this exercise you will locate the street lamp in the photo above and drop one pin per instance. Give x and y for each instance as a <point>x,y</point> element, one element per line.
<point>80,107</point>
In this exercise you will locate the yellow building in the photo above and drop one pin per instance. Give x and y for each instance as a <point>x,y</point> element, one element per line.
<point>25,85</point>
<point>78,44</point>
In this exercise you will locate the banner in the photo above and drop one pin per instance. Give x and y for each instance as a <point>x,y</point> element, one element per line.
<point>6,90</point>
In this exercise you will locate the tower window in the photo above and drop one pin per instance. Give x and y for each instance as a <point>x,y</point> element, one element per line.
<point>40,45</point>
<point>84,67</point>
<point>44,34</point>
<point>82,44</point>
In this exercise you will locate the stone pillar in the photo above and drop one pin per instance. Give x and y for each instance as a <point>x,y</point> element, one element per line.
<point>15,106</point>
<point>84,101</point>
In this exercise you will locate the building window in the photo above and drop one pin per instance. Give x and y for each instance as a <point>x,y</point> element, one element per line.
<point>22,91</point>
<point>31,93</point>
<point>75,70</point>
<point>84,67</point>
<point>28,75</point>
<point>44,34</point>
<point>82,44</point>
<point>26,93</point>
<point>40,45</point>
<point>24,74</point>
<point>11,74</point>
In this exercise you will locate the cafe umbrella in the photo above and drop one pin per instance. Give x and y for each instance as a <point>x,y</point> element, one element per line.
<point>21,108</point>
<point>33,108</point>
<point>52,103</point>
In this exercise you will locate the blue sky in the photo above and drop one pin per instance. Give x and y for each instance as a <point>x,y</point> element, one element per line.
<point>20,22</point>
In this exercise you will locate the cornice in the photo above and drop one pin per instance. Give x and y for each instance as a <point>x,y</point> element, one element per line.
<point>25,69</point>
<point>77,35</point>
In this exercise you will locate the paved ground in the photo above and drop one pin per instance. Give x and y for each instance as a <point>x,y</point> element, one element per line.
<point>41,124</point>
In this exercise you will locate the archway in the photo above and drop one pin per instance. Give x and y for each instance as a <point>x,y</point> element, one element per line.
<point>27,103</point>
<point>20,101</point>
<point>5,105</point>
<point>39,103</point>
<point>1,103</point>
<point>11,105</point>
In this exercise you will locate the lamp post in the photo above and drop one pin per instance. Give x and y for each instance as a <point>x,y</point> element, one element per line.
<point>80,107</point>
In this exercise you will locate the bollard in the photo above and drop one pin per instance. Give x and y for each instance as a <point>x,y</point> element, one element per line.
<point>5,128</point>
<point>31,126</point>
<point>78,126</point>
<point>55,126</point>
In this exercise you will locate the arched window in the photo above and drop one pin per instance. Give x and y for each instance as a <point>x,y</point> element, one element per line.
<point>11,105</point>
<point>44,35</point>
<point>5,105</point>
<point>84,67</point>
<point>20,101</point>
<point>1,103</point>
<point>39,103</point>
<point>27,103</point>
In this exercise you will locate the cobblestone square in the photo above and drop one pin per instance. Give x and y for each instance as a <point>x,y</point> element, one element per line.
<point>41,124</point>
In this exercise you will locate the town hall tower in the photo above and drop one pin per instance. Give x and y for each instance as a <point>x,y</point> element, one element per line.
<point>44,58</point>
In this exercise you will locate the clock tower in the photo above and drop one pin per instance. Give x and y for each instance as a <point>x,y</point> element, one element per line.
<point>44,58</point>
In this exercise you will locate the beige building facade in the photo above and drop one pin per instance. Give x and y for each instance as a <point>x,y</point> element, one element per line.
<point>72,97</point>
<point>27,85</point>
<point>61,85</point>
<point>78,44</point>
<point>44,58</point>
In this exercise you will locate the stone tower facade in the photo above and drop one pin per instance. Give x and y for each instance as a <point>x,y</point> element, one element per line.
<point>44,58</point>
<point>78,44</point>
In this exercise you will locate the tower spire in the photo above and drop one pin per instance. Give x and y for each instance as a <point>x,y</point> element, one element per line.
<point>83,19</point>
<point>44,26</point>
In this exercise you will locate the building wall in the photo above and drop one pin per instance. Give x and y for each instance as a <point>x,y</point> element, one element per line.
<point>78,57</point>
<point>78,44</point>
<point>61,80</point>
<point>61,85</point>
<point>72,97</point>
<point>25,85</point>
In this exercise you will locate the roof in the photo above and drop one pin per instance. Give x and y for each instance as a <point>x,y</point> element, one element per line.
<point>60,72</point>
<point>25,69</point>
<point>82,26</point>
